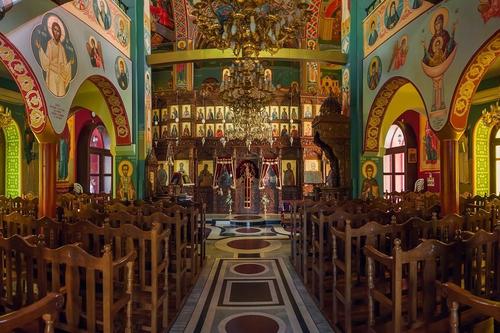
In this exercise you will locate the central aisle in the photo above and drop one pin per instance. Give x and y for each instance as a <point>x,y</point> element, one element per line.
<point>248,286</point>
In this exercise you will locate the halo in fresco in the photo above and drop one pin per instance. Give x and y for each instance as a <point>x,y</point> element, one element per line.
<point>130,168</point>
<point>374,73</point>
<point>102,14</point>
<point>393,13</point>
<point>81,4</point>
<point>55,54</point>
<point>121,71</point>
<point>121,32</point>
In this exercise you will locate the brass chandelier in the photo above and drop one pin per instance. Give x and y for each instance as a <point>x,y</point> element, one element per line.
<point>491,117</point>
<point>5,116</point>
<point>247,89</point>
<point>247,85</point>
<point>250,26</point>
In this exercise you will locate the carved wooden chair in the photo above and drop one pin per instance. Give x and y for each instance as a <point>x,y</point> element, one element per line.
<point>480,219</point>
<point>178,252</point>
<point>16,223</point>
<point>150,271</point>
<point>413,299</point>
<point>349,273</point>
<point>94,299</point>
<point>29,318</point>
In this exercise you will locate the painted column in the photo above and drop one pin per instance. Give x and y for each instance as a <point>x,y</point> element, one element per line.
<point>449,176</point>
<point>47,180</point>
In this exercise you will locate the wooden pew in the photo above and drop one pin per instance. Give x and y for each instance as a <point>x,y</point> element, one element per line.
<point>349,273</point>
<point>413,272</point>
<point>17,224</point>
<point>20,282</point>
<point>23,319</point>
<point>177,250</point>
<point>150,271</point>
<point>90,286</point>
<point>458,296</point>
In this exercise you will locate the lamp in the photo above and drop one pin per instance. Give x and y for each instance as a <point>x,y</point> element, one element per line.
<point>491,117</point>
<point>5,116</point>
<point>247,89</point>
<point>250,26</point>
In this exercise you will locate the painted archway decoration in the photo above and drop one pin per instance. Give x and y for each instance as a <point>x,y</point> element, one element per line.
<point>181,20</point>
<point>481,158</point>
<point>12,160</point>
<point>116,108</point>
<point>471,78</point>
<point>23,75</point>
<point>312,27</point>
<point>377,112</point>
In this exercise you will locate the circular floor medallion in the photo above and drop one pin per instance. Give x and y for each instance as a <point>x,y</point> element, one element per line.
<point>248,244</point>
<point>248,230</point>
<point>252,322</point>
<point>246,217</point>
<point>249,269</point>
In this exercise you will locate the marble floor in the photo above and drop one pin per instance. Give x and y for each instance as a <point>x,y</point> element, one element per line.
<point>249,285</point>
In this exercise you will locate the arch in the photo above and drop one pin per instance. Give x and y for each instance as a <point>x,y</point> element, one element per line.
<point>470,79</point>
<point>24,77</point>
<point>116,119</point>
<point>12,159</point>
<point>384,110</point>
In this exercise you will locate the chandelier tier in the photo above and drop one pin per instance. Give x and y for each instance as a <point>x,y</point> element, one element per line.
<point>250,26</point>
<point>491,117</point>
<point>247,89</point>
<point>5,117</point>
<point>247,85</point>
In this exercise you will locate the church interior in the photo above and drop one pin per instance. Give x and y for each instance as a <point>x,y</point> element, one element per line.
<point>250,166</point>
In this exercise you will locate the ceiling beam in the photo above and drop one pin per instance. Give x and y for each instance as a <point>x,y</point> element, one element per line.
<point>168,58</point>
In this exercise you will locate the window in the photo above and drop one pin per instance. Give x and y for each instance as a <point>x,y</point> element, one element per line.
<point>395,160</point>
<point>100,162</point>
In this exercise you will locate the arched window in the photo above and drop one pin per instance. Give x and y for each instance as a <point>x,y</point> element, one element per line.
<point>395,160</point>
<point>100,162</point>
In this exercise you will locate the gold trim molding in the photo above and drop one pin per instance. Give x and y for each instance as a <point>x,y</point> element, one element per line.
<point>176,57</point>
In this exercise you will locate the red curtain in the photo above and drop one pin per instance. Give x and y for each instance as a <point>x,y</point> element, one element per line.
<point>223,164</point>
<point>273,164</point>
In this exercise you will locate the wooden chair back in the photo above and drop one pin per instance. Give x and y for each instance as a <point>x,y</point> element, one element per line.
<point>93,295</point>
<point>481,263</point>
<point>121,217</point>
<point>16,223</point>
<point>419,268</point>
<point>480,219</point>
<point>22,281</point>
<point>150,270</point>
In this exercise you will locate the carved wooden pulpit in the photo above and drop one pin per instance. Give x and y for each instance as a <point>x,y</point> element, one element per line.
<point>332,134</point>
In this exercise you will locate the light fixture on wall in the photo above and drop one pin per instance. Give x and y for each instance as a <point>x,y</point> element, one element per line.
<point>5,116</point>
<point>250,26</point>
<point>491,117</point>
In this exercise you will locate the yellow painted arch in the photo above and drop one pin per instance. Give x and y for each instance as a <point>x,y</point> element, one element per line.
<point>406,98</point>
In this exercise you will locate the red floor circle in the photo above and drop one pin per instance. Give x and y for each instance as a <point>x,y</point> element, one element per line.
<point>247,230</point>
<point>249,269</point>
<point>252,324</point>
<point>246,217</point>
<point>248,244</point>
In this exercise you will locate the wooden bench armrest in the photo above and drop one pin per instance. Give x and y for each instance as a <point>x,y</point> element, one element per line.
<point>482,305</point>
<point>378,256</point>
<point>50,304</point>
